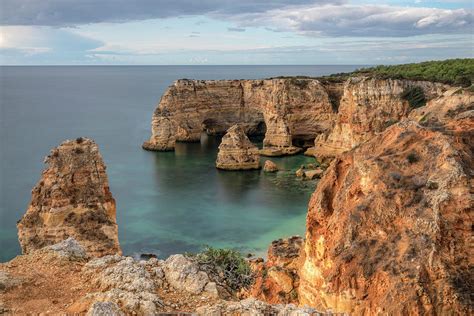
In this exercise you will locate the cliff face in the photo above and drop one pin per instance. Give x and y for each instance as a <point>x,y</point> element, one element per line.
<point>367,107</point>
<point>236,151</point>
<point>284,110</point>
<point>389,223</point>
<point>72,199</point>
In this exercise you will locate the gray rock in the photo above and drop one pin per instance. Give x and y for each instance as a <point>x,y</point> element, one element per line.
<point>69,248</point>
<point>183,274</point>
<point>7,281</point>
<point>252,306</point>
<point>124,281</point>
<point>104,309</point>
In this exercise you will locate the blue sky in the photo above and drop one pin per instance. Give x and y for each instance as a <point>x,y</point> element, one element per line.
<point>195,32</point>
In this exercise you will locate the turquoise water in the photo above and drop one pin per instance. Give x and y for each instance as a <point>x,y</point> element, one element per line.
<point>167,202</point>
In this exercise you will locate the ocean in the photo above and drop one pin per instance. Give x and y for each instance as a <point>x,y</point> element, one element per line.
<point>167,202</point>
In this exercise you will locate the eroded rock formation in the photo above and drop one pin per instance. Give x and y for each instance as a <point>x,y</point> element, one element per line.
<point>276,280</point>
<point>286,111</point>
<point>368,106</point>
<point>236,151</point>
<point>72,199</point>
<point>389,223</point>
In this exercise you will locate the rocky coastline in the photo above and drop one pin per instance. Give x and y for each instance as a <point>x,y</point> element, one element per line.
<point>388,228</point>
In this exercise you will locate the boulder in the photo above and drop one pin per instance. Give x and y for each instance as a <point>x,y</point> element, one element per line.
<point>184,274</point>
<point>236,151</point>
<point>72,199</point>
<point>270,166</point>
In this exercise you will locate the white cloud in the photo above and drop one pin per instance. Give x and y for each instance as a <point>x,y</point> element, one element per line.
<point>362,20</point>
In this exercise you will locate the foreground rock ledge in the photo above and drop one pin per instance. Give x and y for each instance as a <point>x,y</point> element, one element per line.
<point>72,199</point>
<point>236,151</point>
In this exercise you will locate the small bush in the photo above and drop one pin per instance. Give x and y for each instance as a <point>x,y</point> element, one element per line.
<point>415,96</point>
<point>79,140</point>
<point>78,150</point>
<point>227,262</point>
<point>463,81</point>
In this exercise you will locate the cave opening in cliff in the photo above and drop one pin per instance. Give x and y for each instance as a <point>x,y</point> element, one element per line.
<point>303,141</point>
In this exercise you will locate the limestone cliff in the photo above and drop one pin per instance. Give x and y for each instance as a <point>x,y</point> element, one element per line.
<point>72,199</point>
<point>236,151</point>
<point>389,224</point>
<point>367,107</point>
<point>286,111</point>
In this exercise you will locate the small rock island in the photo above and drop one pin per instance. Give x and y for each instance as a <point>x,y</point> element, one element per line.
<point>236,151</point>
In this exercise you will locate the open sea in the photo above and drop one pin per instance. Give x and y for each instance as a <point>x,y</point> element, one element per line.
<point>168,202</point>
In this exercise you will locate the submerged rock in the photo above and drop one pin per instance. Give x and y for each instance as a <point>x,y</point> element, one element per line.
<point>72,199</point>
<point>236,151</point>
<point>270,166</point>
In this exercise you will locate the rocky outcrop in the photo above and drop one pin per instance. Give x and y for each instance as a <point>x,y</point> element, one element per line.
<point>270,166</point>
<point>72,199</point>
<point>368,106</point>
<point>236,151</point>
<point>183,274</point>
<point>388,225</point>
<point>252,306</point>
<point>276,280</point>
<point>286,111</point>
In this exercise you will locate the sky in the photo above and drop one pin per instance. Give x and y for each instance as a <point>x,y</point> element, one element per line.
<point>234,32</point>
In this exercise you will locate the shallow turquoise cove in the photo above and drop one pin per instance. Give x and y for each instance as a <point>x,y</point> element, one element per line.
<point>166,202</point>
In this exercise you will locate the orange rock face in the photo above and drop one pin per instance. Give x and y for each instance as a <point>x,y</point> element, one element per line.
<point>72,199</point>
<point>277,279</point>
<point>367,107</point>
<point>286,111</point>
<point>389,225</point>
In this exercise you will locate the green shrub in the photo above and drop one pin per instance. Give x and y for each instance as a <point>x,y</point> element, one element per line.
<point>415,96</point>
<point>228,263</point>
<point>446,71</point>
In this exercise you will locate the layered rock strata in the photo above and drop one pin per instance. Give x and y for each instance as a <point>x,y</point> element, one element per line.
<point>367,107</point>
<point>389,223</point>
<point>284,110</point>
<point>72,199</point>
<point>276,280</point>
<point>236,151</point>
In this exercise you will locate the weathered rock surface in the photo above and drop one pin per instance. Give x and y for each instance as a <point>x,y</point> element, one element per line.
<point>389,223</point>
<point>7,281</point>
<point>368,106</point>
<point>72,199</point>
<point>270,166</point>
<point>69,249</point>
<point>124,281</point>
<point>276,280</point>
<point>252,306</point>
<point>104,309</point>
<point>236,151</point>
<point>185,275</point>
<point>284,110</point>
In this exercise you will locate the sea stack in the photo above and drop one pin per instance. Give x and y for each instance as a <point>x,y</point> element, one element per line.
<point>72,199</point>
<point>236,151</point>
